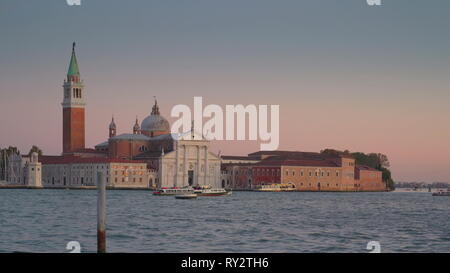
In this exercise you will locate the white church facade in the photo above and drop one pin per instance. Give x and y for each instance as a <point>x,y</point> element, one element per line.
<point>191,163</point>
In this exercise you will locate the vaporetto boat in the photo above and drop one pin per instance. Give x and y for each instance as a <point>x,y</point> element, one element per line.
<point>211,192</point>
<point>442,193</point>
<point>276,187</point>
<point>173,191</point>
<point>199,191</point>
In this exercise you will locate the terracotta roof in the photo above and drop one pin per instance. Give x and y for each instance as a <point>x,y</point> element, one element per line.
<point>87,151</point>
<point>238,157</point>
<point>288,162</point>
<point>305,163</point>
<point>237,164</point>
<point>366,168</point>
<point>297,154</point>
<point>82,160</point>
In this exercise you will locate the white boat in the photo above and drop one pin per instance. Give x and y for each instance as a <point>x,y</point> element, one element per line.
<point>173,191</point>
<point>276,187</point>
<point>442,193</point>
<point>208,191</point>
<point>186,196</point>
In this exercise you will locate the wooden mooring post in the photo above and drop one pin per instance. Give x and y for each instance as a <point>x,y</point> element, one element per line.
<point>101,213</point>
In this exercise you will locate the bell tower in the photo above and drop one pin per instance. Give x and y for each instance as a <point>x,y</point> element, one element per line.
<point>136,127</point>
<point>73,108</point>
<point>112,128</point>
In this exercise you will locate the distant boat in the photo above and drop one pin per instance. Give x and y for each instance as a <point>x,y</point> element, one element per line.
<point>173,191</point>
<point>186,196</point>
<point>208,191</point>
<point>276,187</point>
<point>442,193</point>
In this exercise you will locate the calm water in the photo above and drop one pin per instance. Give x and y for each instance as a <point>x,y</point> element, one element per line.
<point>45,220</point>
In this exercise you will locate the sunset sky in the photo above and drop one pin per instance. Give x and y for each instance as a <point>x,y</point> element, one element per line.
<point>346,75</point>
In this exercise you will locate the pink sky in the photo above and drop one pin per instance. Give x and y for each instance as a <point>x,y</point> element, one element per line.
<point>411,130</point>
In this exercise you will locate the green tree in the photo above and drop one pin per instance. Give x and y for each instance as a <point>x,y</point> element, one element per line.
<point>374,160</point>
<point>4,154</point>
<point>377,161</point>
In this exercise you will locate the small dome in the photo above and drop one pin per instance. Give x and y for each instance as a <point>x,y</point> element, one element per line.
<point>155,122</point>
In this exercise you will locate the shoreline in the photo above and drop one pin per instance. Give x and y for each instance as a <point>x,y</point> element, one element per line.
<point>5,187</point>
<point>149,189</point>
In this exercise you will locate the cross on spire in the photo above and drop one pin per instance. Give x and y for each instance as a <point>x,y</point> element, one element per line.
<point>155,108</point>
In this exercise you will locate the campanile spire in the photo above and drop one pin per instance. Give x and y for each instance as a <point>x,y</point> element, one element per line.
<point>73,74</point>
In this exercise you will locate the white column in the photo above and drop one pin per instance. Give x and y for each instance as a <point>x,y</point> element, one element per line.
<point>197,175</point>
<point>176,164</point>
<point>207,174</point>
<point>161,173</point>
<point>185,165</point>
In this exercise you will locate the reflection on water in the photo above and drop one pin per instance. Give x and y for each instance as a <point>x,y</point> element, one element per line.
<point>46,220</point>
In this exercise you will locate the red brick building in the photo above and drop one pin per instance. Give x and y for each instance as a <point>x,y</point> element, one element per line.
<point>304,171</point>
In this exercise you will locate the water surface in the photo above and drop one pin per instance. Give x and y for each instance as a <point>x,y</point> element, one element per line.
<point>45,220</point>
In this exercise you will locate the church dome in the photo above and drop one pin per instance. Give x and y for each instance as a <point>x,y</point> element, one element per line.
<point>155,122</point>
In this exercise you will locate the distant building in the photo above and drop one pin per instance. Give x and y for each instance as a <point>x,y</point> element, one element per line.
<point>305,171</point>
<point>81,172</point>
<point>24,170</point>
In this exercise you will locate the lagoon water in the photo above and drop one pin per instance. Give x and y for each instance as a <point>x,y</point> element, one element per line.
<point>46,220</point>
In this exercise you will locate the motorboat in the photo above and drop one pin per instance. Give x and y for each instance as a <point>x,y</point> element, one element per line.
<point>442,193</point>
<point>208,191</point>
<point>173,191</point>
<point>186,196</point>
<point>276,187</point>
